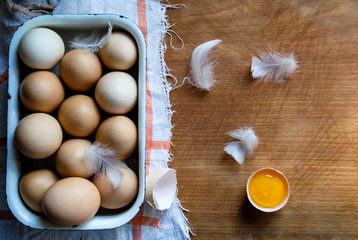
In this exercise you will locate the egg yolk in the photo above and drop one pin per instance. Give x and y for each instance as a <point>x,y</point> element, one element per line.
<point>268,188</point>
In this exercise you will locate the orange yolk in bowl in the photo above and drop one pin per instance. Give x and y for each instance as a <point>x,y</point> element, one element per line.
<point>268,188</point>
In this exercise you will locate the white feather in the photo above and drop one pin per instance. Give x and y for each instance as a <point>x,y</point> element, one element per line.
<point>102,160</point>
<point>236,150</point>
<point>92,42</point>
<point>201,66</point>
<point>245,146</point>
<point>247,137</point>
<point>273,66</point>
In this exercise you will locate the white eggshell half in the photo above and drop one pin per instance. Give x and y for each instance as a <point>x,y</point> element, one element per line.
<point>161,187</point>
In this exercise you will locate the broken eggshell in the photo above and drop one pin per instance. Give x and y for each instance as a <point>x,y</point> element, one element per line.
<point>161,187</point>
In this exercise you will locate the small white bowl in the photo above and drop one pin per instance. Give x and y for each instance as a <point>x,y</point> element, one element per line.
<point>67,26</point>
<point>278,206</point>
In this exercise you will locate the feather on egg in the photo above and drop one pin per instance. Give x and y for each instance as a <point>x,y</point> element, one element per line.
<point>102,160</point>
<point>91,42</point>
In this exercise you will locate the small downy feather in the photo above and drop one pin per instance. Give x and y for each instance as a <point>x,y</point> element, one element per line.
<point>236,150</point>
<point>201,67</point>
<point>91,42</point>
<point>247,142</point>
<point>273,66</point>
<point>102,160</point>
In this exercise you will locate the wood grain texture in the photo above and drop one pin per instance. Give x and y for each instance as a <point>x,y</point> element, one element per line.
<point>307,127</point>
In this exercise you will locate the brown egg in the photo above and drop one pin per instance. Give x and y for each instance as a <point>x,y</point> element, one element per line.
<point>121,196</point>
<point>41,91</point>
<point>80,70</point>
<point>33,186</point>
<point>119,133</point>
<point>69,158</point>
<point>38,135</point>
<point>120,53</point>
<point>79,115</point>
<point>71,201</point>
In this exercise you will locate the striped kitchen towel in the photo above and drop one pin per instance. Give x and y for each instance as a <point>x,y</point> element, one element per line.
<point>150,16</point>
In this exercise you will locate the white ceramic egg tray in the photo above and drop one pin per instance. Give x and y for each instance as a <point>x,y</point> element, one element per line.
<point>67,26</point>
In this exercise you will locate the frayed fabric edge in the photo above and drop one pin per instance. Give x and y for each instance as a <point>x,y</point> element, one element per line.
<point>165,73</point>
<point>189,230</point>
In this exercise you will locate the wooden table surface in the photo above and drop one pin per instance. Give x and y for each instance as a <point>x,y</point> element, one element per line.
<point>307,126</point>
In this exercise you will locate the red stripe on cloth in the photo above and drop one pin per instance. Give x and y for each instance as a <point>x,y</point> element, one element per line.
<point>140,220</point>
<point>4,76</point>
<point>3,141</point>
<point>136,223</point>
<point>6,215</point>
<point>142,24</point>
<point>149,129</point>
<point>151,222</point>
<point>161,145</point>
<point>142,17</point>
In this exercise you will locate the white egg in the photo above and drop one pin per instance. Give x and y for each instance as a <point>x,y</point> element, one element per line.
<point>116,92</point>
<point>41,48</point>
